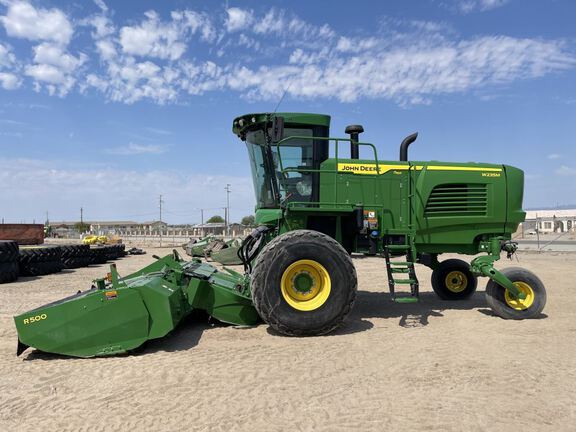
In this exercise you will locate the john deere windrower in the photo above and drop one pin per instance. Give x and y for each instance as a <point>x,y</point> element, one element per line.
<point>317,203</point>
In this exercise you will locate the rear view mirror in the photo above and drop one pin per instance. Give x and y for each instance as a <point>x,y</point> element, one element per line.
<point>277,128</point>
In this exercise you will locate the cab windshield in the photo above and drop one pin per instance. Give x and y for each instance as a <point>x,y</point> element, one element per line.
<point>269,167</point>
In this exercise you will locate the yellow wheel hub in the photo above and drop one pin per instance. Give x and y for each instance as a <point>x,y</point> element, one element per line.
<point>456,281</point>
<point>305,285</point>
<point>520,304</point>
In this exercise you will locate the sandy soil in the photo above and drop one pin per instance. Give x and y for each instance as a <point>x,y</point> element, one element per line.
<point>432,366</point>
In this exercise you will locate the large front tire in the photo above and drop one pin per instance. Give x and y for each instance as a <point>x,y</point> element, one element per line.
<point>303,283</point>
<point>507,307</point>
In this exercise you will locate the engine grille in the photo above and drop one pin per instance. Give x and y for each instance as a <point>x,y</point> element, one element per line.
<point>457,200</point>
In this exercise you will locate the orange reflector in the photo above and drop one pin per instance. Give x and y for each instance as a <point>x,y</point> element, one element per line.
<point>111,294</point>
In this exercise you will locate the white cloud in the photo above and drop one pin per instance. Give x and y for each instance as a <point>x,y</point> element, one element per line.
<point>102,26</point>
<point>51,54</point>
<point>554,156</point>
<point>46,73</point>
<point>7,57</point>
<point>22,20</point>
<point>467,6</point>
<point>566,171</point>
<point>408,73</point>
<point>152,38</point>
<point>238,19</point>
<point>158,131</point>
<point>356,45</point>
<point>54,68</point>
<point>164,40</point>
<point>100,3</point>
<point>9,81</point>
<point>137,149</point>
<point>260,55</point>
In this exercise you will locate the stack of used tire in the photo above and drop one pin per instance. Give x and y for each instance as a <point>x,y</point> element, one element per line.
<point>40,260</point>
<point>8,261</point>
<point>75,255</point>
<point>98,254</point>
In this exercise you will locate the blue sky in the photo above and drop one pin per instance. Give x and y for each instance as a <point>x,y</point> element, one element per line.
<point>106,105</point>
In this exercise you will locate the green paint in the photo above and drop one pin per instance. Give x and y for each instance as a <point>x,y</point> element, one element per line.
<point>145,305</point>
<point>303,282</point>
<point>441,207</point>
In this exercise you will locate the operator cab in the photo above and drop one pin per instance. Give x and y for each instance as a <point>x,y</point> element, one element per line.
<point>284,156</point>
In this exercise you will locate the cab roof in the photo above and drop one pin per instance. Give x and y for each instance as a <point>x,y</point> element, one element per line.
<point>247,122</point>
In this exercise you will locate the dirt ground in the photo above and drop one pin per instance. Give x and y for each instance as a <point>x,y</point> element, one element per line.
<point>432,366</point>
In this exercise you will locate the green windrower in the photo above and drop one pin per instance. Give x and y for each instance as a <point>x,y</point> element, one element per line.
<point>319,200</point>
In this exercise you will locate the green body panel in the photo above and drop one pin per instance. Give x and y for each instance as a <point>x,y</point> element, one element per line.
<point>145,305</point>
<point>400,196</point>
<point>268,216</point>
<point>224,296</point>
<point>415,198</point>
<point>87,325</point>
<point>197,249</point>
<point>228,256</point>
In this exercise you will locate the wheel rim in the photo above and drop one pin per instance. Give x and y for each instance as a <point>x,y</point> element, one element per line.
<point>305,285</point>
<point>517,303</point>
<point>456,281</point>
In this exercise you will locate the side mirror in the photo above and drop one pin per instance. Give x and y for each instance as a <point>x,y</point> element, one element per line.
<point>277,128</point>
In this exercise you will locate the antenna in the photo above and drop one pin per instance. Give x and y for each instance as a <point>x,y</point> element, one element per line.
<point>283,94</point>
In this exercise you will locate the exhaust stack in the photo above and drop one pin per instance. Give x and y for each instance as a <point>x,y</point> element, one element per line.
<point>404,146</point>
<point>354,131</point>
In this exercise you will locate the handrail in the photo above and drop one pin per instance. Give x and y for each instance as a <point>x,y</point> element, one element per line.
<point>329,139</point>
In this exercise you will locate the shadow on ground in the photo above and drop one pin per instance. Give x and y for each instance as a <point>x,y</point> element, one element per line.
<point>368,305</point>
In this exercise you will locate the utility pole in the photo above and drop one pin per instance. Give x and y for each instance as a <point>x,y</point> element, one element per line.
<point>160,201</point>
<point>227,189</point>
<point>202,221</point>
<point>81,215</point>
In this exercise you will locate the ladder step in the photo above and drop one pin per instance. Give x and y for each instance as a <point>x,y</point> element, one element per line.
<point>405,281</point>
<point>402,263</point>
<point>400,270</point>
<point>407,299</point>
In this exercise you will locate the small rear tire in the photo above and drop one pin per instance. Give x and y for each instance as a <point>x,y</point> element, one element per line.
<point>453,280</point>
<point>507,307</point>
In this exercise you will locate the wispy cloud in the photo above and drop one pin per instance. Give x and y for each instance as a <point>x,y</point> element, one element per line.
<point>554,156</point>
<point>13,122</point>
<point>158,131</point>
<point>138,149</point>
<point>468,6</point>
<point>258,54</point>
<point>566,171</point>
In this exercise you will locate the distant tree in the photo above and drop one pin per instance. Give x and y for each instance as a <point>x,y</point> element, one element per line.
<point>248,220</point>
<point>215,219</point>
<point>81,227</point>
